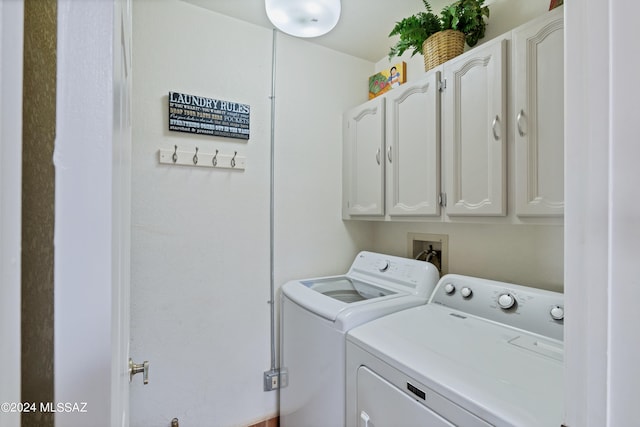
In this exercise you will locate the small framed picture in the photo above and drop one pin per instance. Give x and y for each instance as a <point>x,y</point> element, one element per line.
<point>555,3</point>
<point>386,80</point>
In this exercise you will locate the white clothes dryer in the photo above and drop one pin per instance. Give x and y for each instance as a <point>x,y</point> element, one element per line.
<point>479,353</point>
<point>315,316</point>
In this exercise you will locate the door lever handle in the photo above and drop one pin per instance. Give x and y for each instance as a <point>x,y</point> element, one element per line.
<point>135,368</point>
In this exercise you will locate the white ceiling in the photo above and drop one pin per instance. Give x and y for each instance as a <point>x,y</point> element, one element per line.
<point>362,31</point>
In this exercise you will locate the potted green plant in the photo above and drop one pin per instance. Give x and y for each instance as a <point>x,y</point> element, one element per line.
<point>441,38</point>
<point>414,30</point>
<point>466,16</point>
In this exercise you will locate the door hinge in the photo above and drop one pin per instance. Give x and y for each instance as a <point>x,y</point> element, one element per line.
<point>442,85</point>
<point>442,199</point>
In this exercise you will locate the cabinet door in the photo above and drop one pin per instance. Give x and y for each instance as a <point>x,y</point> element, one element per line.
<point>413,148</point>
<point>364,139</point>
<point>539,116</point>
<point>474,131</point>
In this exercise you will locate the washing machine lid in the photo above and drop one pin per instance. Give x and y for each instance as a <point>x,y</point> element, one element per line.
<point>375,285</point>
<point>503,375</point>
<point>346,290</point>
<point>330,296</point>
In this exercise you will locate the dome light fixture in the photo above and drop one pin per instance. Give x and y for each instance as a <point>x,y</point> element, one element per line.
<point>304,18</point>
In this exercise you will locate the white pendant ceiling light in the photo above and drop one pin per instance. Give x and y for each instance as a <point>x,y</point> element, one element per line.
<point>304,18</point>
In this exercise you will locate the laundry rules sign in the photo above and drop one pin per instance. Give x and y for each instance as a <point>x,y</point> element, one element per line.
<point>196,114</point>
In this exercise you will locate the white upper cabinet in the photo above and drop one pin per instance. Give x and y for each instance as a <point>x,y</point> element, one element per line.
<point>364,158</point>
<point>437,148</point>
<point>392,153</point>
<point>538,114</point>
<point>474,131</point>
<point>413,148</point>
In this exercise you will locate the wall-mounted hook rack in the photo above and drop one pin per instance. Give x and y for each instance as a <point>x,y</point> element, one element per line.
<point>196,158</point>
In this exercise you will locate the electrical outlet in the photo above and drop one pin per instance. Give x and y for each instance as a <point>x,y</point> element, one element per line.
<point>271,380</point>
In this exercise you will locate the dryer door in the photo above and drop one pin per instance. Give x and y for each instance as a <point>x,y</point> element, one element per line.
<point>381,404</point>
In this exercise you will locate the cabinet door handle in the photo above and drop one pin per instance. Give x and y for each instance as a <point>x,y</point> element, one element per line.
<point>518,121</point>
<point>389,154</point>
<point>378,156</point>
<point>365,418</point>
<point>494,126</point>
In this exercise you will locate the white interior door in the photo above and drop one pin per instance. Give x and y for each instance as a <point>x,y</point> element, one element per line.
<point>121,209</point>
<point>92,212</point>
<point>11,30</point>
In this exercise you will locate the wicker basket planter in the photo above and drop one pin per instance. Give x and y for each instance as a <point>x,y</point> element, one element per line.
<point>441,47</point>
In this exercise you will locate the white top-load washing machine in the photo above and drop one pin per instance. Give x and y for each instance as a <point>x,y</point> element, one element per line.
<point>317,313</point>
<point>479,353</point>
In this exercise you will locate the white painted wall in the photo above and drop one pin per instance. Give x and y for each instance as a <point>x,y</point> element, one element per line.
<point>200,237</point>
<point>530,255</point>
<point>505,15</point>
<point>11,36</point>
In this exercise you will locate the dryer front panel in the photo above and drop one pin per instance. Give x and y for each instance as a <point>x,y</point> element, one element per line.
<point>381,404</point>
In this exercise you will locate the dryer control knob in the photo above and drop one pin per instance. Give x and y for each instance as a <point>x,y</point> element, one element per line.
<point>506,301</point>
<point>449,288</point>
<point>557,312</point>
<point>466,292</point>
<point>383,265</point>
